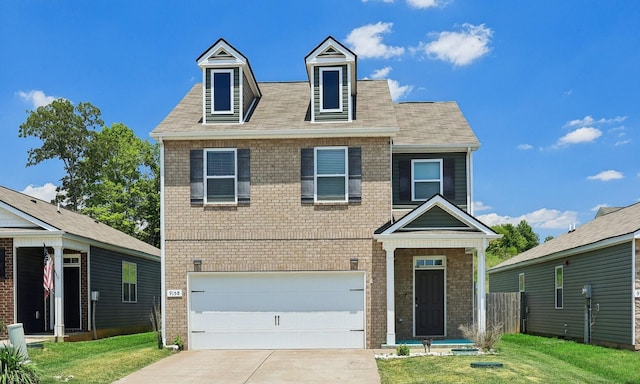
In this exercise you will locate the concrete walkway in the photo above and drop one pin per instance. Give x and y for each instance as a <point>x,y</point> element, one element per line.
<point>261,367</point>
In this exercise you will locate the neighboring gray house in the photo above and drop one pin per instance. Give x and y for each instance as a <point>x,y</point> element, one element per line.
<point>88,257</point>
<point>583,285</point>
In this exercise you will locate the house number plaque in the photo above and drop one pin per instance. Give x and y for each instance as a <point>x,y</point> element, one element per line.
<point>174,292</point>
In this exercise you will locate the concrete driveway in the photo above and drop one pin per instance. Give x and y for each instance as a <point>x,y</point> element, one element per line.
<point>261,367</point>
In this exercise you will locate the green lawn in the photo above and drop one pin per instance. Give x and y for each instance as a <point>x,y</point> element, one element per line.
<point>526,359</point>
<point>92,362</point>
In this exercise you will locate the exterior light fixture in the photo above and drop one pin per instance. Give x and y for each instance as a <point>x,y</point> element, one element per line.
<point>197,265</point>
<point>354,264</point>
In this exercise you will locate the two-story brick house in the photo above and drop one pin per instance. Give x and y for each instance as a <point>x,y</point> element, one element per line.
<point>314,214</point>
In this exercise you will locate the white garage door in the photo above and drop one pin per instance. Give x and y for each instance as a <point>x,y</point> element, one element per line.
<point>276,310</point>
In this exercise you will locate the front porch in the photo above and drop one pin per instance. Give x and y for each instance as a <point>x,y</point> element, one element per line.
<point>431,254</point>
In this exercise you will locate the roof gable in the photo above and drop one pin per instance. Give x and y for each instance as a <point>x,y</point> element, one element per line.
<point>331,52</point>
<point>437,213</point>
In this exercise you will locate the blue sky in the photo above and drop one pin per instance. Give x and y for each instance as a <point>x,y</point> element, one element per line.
<point>551,88</point>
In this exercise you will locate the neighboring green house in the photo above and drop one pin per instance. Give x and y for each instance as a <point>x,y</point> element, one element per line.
<point>88,257</point>
<point>583,285</point>
<point>315,213</point>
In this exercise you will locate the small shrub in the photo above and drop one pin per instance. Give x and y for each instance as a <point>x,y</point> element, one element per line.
<point>482,340</point>
<point>403,350</point>
<point>13,368</point>
<point>178,342</point>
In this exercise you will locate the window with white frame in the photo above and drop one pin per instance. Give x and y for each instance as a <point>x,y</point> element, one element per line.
<point>221,91</point>
<point>559,284</point>
<point>331,174</point>
<point>331,89</point>
<point>521,282</point>
<point>220,176</point>
<point>129,282</point>
<point>426,178</point>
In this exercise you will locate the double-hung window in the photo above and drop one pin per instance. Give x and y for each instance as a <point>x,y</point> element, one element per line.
<point>129,282</point>
<point>559,284</point>
<point>222,91</point>
<point>426,178</point>
<point>331,89</point>
<point>331,174</point>
<point>220,176</point>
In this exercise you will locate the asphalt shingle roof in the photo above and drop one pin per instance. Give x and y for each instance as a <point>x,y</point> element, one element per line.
<point>433,123</point>
<point>72,222</point>
<point>622,222</point>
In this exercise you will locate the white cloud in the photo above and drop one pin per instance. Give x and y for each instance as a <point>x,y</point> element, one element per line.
<point>580,135</point>
<point>398,91</point>
<point>424,3</point>
<point>597,207</point>
<point>606,176</point>
<point>525,147</point>
<point>384,1</point>
<point>36,97</point>
<point>590,121</point>
<point>543,218</point>
<point>621,142</point>
<point>381,73</point>
<point>366,41</point>
<point>460,47</point>
<point>45,192</point>
<point>479,206</point>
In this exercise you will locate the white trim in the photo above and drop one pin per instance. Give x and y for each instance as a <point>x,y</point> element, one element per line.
<point>315,132</point>
<point>633,288</point>
<point>240,96</point>
<point>321,71</point>
<point>230,111</point>
<point>163,267</point>
<point>469,183</point>
<point>556,287</point>
<point>429,148</point>
<point>442,267</point>
<point>391,305</point>
<point>235,176</point>
<point>345,174</point>
<point>414,181</point>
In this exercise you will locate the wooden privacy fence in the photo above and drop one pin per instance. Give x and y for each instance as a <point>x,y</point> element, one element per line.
<point>506,308</point>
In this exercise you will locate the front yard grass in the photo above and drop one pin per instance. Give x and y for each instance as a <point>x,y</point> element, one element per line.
<point>526,359</point>
<point>93,362</point>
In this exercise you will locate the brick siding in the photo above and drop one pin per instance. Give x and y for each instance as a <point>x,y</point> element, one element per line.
<point>6,287</point>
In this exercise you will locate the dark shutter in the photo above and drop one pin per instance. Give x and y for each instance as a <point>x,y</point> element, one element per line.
<point>355,175</point>
<point>244,175</point>
<point>306,175</point>
<point>449,179</point>
<point>3,269</point>
<point>197,174</point>
<point>404,182</point>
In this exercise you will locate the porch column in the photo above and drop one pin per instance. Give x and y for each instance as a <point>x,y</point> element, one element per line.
<point>391,305</point>
<point>482,294</point>
<point>58,289</point>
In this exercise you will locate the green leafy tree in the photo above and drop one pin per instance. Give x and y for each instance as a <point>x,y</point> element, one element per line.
<point>122,182</point>
<point>65,131</point>
<point>515,239</point>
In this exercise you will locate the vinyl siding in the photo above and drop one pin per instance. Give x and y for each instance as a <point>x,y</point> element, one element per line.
<point>223,118</point>
<point>106,277</point>
<point>247,96</point>
<point>331,116</point>
<point>608,271</point>
<point>459,196</point>
<point>436,217</point>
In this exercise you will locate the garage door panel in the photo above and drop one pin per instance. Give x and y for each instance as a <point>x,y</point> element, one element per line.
<point>277,310</point>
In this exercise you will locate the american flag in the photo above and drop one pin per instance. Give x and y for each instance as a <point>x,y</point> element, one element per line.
<point>47,281</point>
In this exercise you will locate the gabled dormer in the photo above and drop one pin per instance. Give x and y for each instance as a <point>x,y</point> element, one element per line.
<point>230,91</point>
<point>331,68</point>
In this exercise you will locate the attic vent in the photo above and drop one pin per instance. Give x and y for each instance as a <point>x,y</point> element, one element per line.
<point>221,54</point>
<point>331,52</point>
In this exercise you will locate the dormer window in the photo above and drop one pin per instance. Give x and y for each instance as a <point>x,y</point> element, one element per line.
<point>331,89</point>
<point>222,86</point>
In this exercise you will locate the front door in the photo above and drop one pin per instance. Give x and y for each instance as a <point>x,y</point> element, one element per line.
<point>72,297</point>
<point>429,302</point>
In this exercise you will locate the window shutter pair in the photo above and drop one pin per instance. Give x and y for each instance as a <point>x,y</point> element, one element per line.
<point>448,179</point>
<point>354,155</point>
<point>196,160</point>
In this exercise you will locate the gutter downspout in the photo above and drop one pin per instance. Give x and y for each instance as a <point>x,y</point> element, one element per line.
<point>162,245</point>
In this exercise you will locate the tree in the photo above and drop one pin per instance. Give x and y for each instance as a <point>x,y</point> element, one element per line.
<point>122,182</point>
<point>515,240</point>
<point>65,132</point>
